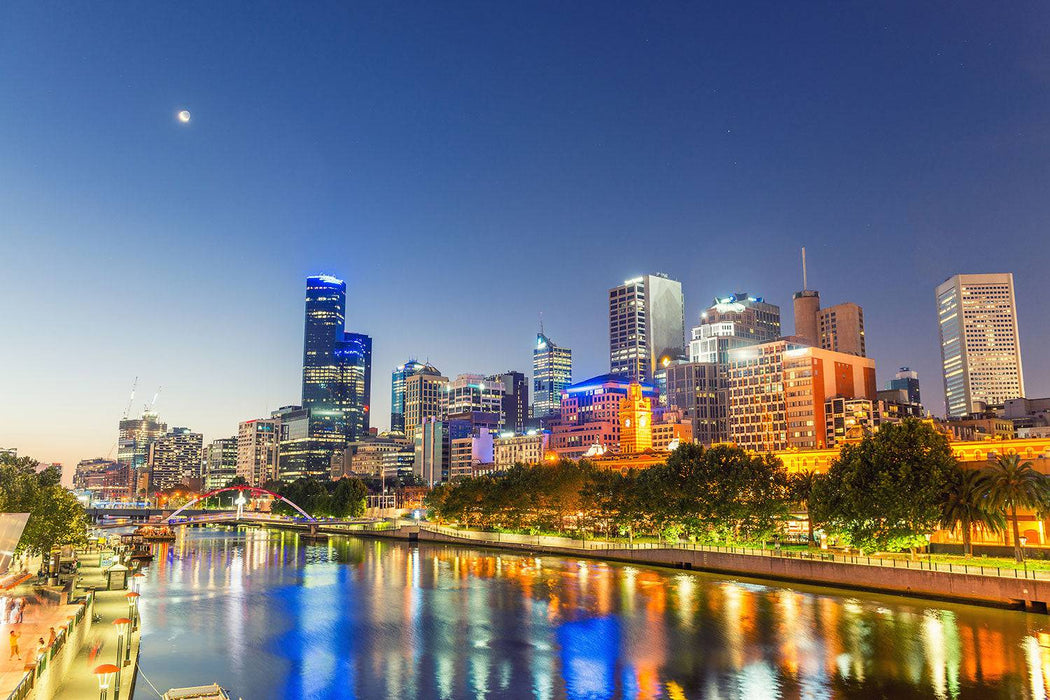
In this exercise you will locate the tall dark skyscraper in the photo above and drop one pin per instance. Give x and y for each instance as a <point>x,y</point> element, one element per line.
<point>337,375</point>
<point>515,402</point>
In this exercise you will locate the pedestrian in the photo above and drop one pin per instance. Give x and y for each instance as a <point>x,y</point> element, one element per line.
<point>20,613</point>
<point>13,639</point>
<point>51,638</point>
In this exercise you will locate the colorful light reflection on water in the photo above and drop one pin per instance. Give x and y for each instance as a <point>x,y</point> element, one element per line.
<point>268,617</point>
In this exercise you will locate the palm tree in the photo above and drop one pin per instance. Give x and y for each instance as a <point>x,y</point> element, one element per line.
<point>801,486</point>
<point>1012,484</point>
<point>967,504</point>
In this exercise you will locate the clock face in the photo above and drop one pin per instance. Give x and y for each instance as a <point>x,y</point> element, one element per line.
<point>627,422</point>
<point>641,422</point>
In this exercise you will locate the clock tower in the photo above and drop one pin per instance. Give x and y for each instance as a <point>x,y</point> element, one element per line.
<point>636,421</point>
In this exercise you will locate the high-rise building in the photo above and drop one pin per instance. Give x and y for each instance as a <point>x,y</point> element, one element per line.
<point>699,388</point>
<point>426,396</point>
<point>515,401</point>
<point>257,450</point>
<point>432,442</point>
<point>220,463</point>
<point>471,392</point>
<point>908,380</point>
<point>337,373</point>
<point>135,437</point>
<point>297,449</point>
<point>646,321</point>
<point>980,348</point>
<point>175,458</point>
<point>698,391</point>
<point>848,421</point>
<point>778,392</point>
<point>397,393</point>
<point>735,321</point>
<point>551,374</point>
<point>839,328</point>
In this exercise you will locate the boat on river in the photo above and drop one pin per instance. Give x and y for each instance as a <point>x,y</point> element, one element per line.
<point>199,692</point>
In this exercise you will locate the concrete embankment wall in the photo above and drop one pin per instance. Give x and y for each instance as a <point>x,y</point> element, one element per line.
<point>968,588</point>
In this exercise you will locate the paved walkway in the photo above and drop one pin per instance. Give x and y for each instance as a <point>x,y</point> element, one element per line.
<point>80,681</point>
<point>38,619</point>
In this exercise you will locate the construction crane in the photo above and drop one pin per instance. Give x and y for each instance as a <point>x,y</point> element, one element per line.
<point>149,407</point>
<point>131,399</point>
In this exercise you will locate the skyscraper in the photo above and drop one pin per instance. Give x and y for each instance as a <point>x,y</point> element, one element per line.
<point>515,400</point>
<point>174,458</point>
<point>551,374</point>
<point>337,373</point>
<point>133,442</point>
<point>397,393</point>
<point>699,388</point>
<point>257,443</point>
<point>646,321</point>
<point>425,396</point>
<point>907,380</point>
<point>980,347</point>
<point>839,328</point>
<point>220,463</point>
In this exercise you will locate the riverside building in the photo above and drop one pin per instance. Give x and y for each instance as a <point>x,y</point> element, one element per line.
<point>778,392</point>
<point>980,348</point>
<point>646,321</point>
<point>551,375</point>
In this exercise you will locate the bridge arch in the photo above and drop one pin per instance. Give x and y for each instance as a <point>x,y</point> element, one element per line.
<point>250,489</point>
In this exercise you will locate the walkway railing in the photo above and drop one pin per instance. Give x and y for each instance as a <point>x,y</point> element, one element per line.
<point>596,545</point>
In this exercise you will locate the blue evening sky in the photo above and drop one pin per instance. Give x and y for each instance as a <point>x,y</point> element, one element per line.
<point>466,166</point>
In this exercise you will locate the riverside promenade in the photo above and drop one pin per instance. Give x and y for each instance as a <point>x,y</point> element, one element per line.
<point>66,669</point>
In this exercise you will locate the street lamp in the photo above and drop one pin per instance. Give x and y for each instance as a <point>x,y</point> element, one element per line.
<point>133,604</point>
<point>136,579</point>
<point>104,674</point>
<point>1024,557</point>
<point>123,626</point>
<point>929,550</point>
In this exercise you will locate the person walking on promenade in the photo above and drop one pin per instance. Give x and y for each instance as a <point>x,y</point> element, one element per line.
<point>13,640</point>
<point>51,638</point>
<point>21,611</point>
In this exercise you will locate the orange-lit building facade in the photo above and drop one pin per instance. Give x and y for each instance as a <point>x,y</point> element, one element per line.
<point>778,390</point>
<point>636,421</point>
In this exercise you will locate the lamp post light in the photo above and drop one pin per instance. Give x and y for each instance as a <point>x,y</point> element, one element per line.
<point>133,604</point>
<point>104,674</point>
<point>929,549</point>
<point>123,626</point>
<point>1024,556</point>
<point>136,580</point>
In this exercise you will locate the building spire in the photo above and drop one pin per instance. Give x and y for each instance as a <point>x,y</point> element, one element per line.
<point>541,323</point>
<point>805,281</point>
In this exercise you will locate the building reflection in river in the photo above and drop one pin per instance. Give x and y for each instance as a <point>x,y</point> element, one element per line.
<point>268,616</point>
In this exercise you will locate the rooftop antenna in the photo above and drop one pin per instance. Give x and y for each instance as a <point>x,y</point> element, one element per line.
<point>541,323</point>
<point>805,283</point>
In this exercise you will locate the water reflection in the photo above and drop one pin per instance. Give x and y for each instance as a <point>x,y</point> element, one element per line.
<point>267,616</point>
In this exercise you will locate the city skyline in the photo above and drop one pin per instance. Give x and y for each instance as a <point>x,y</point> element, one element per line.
<point>171,251</point>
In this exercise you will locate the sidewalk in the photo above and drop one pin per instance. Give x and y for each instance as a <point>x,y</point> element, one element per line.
<point>37,622</point>
<point>80,682</point>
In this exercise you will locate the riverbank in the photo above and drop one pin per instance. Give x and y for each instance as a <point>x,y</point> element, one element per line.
<point>988,586</point>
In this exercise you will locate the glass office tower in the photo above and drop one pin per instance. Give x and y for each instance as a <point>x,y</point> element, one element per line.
<point>397,393</point>
<point>551,374</point>
<point>337,375</point>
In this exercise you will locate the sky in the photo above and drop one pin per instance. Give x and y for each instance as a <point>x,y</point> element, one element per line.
<point>467,166</point>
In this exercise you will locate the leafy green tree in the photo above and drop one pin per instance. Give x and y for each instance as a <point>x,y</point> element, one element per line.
<point>1011,484</point>
<point>724,493</point>
<point>348,498</point>
<point>800,488</point>
<point>967,504</point>
<point>886,492</point>
<point>56,517</point>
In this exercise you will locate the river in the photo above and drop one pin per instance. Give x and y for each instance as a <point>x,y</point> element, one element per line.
<point>266,616</point>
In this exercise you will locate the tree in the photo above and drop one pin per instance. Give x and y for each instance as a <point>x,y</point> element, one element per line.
<point>56,517</point>
<point>967,504</point>
<point>1010,484</point>
<point>800,487</point>
<point>348,498</point>
<point>723,493</point>
<point>886,492</point>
